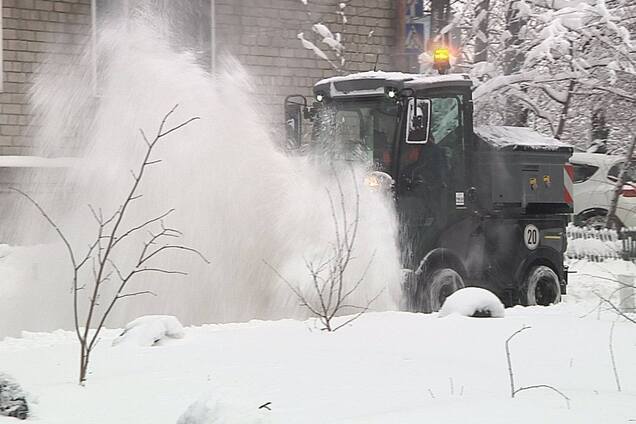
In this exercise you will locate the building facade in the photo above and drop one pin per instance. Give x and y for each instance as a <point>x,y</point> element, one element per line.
<point>262,34</point>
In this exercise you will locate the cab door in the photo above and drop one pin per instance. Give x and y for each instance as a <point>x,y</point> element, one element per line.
<point>431,171</point>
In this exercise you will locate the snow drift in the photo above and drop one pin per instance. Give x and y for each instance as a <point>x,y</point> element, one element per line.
<point>473,302</point>
<point>150,330</point>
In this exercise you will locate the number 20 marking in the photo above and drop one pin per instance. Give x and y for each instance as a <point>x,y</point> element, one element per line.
<point>531,238</point>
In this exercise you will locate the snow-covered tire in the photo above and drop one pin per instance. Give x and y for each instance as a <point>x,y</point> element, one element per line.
<point>434,287</point>
<point>541,287</point>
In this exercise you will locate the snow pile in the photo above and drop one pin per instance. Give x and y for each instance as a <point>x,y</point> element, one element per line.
<point>473,302</point>
<point>585,248</point>
<point>213,409</point>
<point>13,401</point>
<point>589,280</point>
<point>594,244</point>
<point>150,330</point>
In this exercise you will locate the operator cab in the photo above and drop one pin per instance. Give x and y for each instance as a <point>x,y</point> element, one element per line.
<point>415,128</point>
<point>365,116</point>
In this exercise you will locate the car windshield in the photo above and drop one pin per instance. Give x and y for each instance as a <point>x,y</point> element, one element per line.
<point>357,129</point>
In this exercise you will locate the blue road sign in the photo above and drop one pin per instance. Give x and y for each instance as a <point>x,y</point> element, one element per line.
<point>415,8</point>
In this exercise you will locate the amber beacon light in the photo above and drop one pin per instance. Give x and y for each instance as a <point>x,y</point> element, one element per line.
<point>441,60</point>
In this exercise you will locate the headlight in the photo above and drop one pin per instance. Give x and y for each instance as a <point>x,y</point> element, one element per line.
<point>378,181</point>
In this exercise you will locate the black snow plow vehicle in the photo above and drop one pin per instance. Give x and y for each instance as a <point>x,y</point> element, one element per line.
<point>483,206</point>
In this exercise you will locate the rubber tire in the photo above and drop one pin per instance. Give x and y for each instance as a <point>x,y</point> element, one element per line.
<point>434,287</point>
<point>541,287</point>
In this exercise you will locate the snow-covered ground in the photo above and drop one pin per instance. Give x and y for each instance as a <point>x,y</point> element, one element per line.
<point>390,367</point>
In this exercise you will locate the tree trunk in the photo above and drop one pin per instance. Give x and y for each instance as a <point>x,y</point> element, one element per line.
<point>600,130</point>
<point>612,220</point>
<point>84,356</point>
<point>564,112</point>
<point>482,11</point>
<point>440,17</point>
<point>516,114</point>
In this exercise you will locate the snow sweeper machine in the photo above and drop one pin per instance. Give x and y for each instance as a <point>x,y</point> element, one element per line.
<point>478,206</point>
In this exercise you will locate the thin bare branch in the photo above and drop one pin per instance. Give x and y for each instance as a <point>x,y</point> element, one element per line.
<point>160,271</point>
<point>612,357</point>
<point>70,252</point>
<point>509,360</point>
<point>616,309</point>
<point>143,225</point>
<point>545,386</point>
<point>175,247</point>
<point>179,126</point>
<point>140,293</point>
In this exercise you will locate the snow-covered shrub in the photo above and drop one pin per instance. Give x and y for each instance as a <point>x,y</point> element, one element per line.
<point>473,302</point>
<point>215,410</point>
<point>150,330</point>
<point>13,402</point>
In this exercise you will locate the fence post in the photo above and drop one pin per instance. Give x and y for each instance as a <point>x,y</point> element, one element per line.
<point>626,294</point>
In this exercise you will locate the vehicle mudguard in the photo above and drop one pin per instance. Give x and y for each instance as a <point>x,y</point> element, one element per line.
<point>541,256</point>
<point>441,258</point>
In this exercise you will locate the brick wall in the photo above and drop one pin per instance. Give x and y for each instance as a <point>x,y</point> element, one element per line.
<point>33,30</point>
<point>262,34</point>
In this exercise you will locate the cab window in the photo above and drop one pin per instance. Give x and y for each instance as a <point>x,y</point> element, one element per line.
<point>444,139</point>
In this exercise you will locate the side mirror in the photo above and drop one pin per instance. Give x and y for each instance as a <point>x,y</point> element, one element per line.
<point>295,105</point>
<point>419,121</point>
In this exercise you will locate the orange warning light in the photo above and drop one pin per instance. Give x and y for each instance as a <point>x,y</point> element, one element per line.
<point>441,60</point>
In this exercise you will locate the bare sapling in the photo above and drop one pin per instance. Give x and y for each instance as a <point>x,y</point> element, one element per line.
<point>619,308</point>
<point>97,268</point>
<point>613,358</point>
<point>514,390</point>
<point>331,290</point>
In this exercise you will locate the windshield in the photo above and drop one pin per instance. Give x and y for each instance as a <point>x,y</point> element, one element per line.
<point>357,129</point>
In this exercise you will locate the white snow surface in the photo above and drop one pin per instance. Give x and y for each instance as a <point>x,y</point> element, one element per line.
<point>470,300</point>
<point>502,136</point>
<point>389,367</point>
<point>150,330</point>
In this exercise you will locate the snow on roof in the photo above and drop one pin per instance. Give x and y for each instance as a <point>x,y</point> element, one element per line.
<point>595,158</point>
<point>503,137</point>
<point>35,162</point>
<point>396,76</point>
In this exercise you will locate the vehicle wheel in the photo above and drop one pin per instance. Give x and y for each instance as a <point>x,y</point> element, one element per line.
<point>433,288</point>
<point>541,287</point>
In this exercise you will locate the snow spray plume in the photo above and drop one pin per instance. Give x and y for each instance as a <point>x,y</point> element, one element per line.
<point>239,200</point>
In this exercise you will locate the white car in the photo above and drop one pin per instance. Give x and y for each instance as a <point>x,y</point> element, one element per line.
<point>595,177</point>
